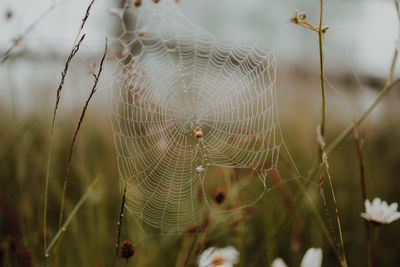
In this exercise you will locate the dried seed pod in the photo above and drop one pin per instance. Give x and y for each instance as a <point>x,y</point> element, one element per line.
<point>137,3</point>
<point>9,14</point>
<point>127,249</point>
<point>142,32</point>
<point>219,194</point>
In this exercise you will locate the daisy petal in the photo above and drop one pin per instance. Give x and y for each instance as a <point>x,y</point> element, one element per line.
<point>278,262</point>
<point>393,217</point>
<point>312,258</point>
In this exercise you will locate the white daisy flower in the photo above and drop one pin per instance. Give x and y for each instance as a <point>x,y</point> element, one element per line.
<point>278,262</point>
<point>312,258</point>
<point>219,257</point>
<point>380,212</point>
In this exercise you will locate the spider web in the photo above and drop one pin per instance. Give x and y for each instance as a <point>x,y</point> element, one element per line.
<point>184,102</point>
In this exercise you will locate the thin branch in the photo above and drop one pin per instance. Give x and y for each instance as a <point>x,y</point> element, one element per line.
<point>63,228</point>
<point>321,66</point>
<point>69,160</point>
<point>21,37</point>
<point>347,131</point>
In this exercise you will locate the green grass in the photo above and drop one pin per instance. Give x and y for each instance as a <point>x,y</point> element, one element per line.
<point>91,236</point>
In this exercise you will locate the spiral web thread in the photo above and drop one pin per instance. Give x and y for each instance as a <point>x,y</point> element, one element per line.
<point>175,79</point>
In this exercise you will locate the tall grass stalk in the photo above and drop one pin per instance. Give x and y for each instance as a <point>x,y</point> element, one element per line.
<point>64,226</point>
<point>323,115</point>
<point>74,50</point>
<point>321,66</point>
<point>83,113</point>
<point>343,259</point>
<point>300,19</point>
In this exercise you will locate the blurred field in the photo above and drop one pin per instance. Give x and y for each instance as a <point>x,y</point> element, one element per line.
<point>90,239</point>
<point>278,225</point>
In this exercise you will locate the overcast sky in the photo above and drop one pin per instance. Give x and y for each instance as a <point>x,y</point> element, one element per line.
<point>362,32</point>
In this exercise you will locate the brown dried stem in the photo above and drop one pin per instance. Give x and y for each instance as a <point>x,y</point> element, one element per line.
<point>361,163</point>
<point>321,66</point>
<point>121,216</point>
<point>49,156</point>
<point>75,49</point>
<point>69,160</point>
<point>362,178</point>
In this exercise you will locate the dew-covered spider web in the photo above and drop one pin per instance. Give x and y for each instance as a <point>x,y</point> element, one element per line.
<point>183,103</point>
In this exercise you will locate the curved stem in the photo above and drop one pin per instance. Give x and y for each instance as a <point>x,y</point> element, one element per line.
<point>63,228</point>
<point>346,132</point>
<point>321,66</point>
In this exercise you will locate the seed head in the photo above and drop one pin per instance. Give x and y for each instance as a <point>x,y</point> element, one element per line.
<point>137,3</point>
<point>142,32</point>
<point>127,249</point>
<point>9,14</point>
<point>219,194</point>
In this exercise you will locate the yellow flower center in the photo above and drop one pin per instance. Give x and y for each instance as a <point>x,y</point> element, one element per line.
<point>218,261</point>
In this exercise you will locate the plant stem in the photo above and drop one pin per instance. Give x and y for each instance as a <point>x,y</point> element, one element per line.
<point>323,115</point>
<point>83,113</point>
<point>374,246</point>
<point>340,138</point>
<point>192,248</point>
<point>63,228</point>
<point>344,262</point>
<point>394,60</point>
<point>321,66</point>
<point>74,50</point>
<point>121,216</point>
<point>362,177</point>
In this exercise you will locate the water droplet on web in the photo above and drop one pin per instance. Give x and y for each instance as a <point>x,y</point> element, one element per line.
<point>200,169</point>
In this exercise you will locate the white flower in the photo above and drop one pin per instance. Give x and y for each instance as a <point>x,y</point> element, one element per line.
<point>380,212</point>
<point>221,257</point>
<point>278,262</point>
<point>312,258</point>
